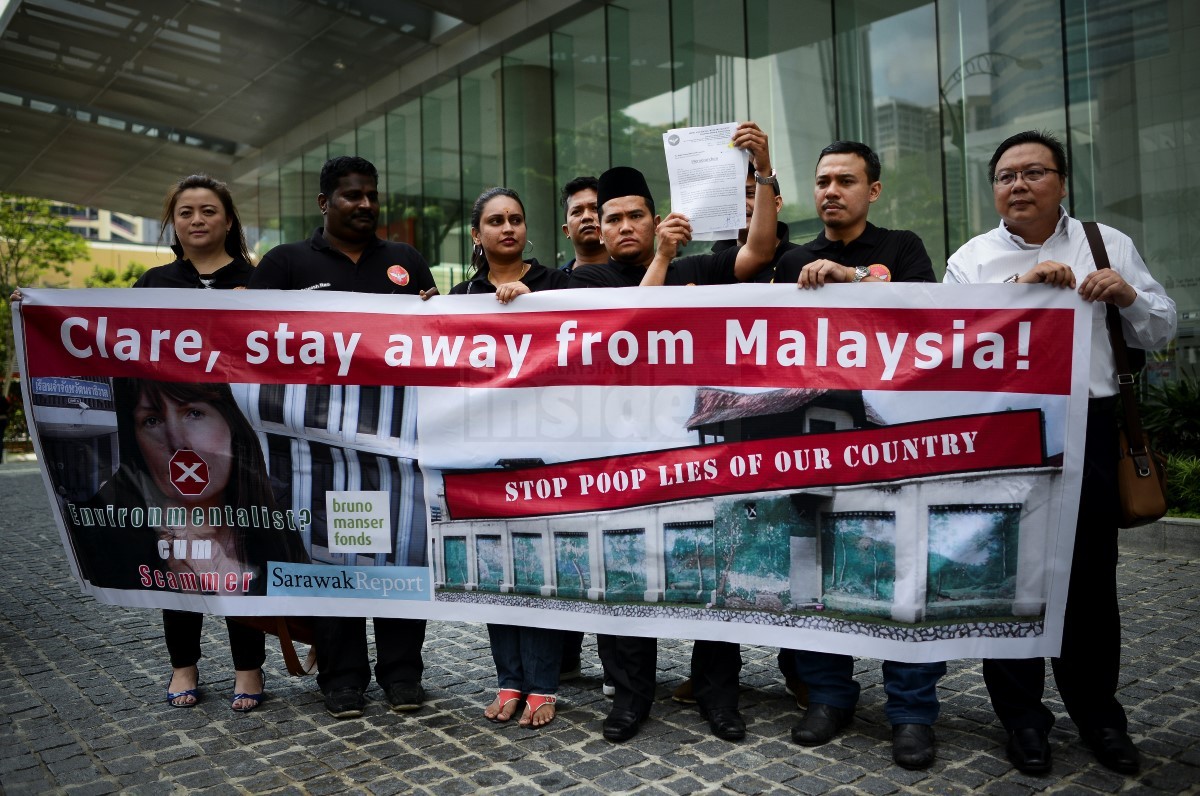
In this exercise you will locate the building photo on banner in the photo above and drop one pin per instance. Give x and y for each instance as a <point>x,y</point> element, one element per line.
<point>861,474</point>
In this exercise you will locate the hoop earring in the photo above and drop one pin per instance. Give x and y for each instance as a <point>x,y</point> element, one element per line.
<point>528,245</point>
<point>477,251</point>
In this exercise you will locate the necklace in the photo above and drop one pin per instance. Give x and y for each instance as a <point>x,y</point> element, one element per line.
<point>520,276</point>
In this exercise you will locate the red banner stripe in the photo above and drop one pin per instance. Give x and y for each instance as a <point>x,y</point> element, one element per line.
<point>948,445</point>
<point>1012,350</point>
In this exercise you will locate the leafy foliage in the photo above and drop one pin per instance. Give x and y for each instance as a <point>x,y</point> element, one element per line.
<point>34,242</point>
<point>1171,415</point>
<point>1183,485</point>
<point>111,277</point>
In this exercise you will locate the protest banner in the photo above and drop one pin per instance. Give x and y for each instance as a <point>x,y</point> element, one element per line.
<point>889,473</point>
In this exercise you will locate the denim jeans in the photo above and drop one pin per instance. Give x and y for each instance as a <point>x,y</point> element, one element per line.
<point>911,687</point>
<point>528,659</point>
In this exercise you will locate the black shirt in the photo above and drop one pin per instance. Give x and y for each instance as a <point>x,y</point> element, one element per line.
<point>182,273</point>
<point>383,267</point>
<point>900,250</point>
<point>767,274</point>
<point>697,269</point>
<point>538,277</point>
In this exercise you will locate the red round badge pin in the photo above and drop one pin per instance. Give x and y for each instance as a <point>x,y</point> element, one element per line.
<point>398,275</point>
<point>189,473</point>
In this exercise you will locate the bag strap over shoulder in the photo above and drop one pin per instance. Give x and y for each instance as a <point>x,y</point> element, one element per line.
<point>1125,375</point>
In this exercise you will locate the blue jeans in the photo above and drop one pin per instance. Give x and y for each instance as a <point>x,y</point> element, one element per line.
<point>528,659</point>
<point>911,687</point>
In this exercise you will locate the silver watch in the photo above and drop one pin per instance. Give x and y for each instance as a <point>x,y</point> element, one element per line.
<point>771,179</point>
<point>861,272</point>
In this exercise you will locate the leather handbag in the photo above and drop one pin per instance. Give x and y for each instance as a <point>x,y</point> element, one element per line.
<point>1141,473</point>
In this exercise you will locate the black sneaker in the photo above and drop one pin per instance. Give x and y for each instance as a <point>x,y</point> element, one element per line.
<point>345,703</point>
<point>405,696</point>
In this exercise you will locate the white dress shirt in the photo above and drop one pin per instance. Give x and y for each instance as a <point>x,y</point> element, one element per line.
<point>1148,323</point>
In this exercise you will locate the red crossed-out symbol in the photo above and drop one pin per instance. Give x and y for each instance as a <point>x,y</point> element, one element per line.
<point>189,473</point>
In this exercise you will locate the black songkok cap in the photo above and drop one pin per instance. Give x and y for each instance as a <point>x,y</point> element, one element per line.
<point>622,181</point>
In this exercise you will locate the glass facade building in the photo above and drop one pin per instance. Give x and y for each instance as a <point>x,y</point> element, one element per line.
<point>932,86</point>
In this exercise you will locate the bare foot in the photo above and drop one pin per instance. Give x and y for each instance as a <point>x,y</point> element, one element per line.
<point>503,706</point>
<point>249,681</point>
<point>185,679</point>
<point>539,711</point>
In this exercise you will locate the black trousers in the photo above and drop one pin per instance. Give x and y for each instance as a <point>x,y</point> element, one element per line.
<point>632,663</point>
<point>342,658</point>
<point>181,631</point>
<point>1089,664</point>
<point>716,669</point>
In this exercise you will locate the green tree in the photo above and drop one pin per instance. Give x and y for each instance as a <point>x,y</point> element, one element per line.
<point>35,242</point>
<point>112,277</point>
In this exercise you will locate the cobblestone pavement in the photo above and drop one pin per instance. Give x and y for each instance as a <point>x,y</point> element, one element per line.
<point>82,684</point>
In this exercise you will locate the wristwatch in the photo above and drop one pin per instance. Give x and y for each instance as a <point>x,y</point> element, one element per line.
<point>771,179</point>
<point>861,272</point>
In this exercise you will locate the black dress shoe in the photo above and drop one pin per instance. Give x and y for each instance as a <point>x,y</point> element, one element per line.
<point>404,696</point>
<point>1029,750</point>
<point>622,724</point>
<point>345,703</point>
<point>1114,748</point>
<point>726,723</point>
<point>913,746</point>
<point>821,723</point>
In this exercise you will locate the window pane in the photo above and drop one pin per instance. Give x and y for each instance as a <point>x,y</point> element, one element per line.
<point>489,558</point>
<point>371,143</point>
<point>481,130</point>
<point>314,159</point>
<point>625,565</point>
<point>639,75</point>
<point>572,564</point>
<point>791,97</point>
<point>529,555</point>
<point>368,409</point>
<point>1001,73</point>
<point>858,561</point>
<point>269,224</point>
<point>291,193</point>
<point>403,198</point>
<point>1134,85</point>
<point>580,106</point>
<point>443,235</point>
<point>529,145</point>
<point>270,402</point>
<point>709,59</point>
<point>972,559</point>
<point>888,98</point>
<point>690,561</point>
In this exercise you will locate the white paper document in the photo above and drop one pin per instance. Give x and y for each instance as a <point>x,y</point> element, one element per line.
<point>708,179</point>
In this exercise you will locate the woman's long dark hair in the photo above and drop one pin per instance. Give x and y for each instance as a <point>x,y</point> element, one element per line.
<point>235,239</point>
<point>248,482</point>
<point>478,256</point>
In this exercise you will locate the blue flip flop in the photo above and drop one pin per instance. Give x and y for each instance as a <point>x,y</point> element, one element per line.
<point>192,692</point>
<point>257,699</point>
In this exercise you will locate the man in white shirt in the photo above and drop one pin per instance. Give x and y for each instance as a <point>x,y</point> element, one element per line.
<point>1037,241</point>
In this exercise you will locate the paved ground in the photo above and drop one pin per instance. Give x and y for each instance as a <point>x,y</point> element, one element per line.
<point>81,692</point>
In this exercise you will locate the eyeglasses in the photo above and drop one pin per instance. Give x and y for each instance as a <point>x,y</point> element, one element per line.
<point>1034,174</point>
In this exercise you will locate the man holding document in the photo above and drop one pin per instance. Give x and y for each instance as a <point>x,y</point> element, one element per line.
<point>629,225</point>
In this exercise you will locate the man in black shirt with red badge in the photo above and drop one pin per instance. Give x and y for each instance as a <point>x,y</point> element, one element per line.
<point>346,254</point>
<point>628,227</point>
<point>850,249</point>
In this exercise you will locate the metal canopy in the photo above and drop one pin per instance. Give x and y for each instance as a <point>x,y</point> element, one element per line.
<point>106,102</point>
